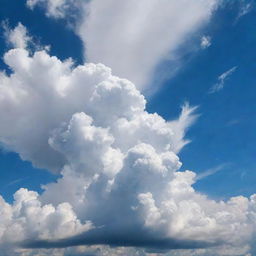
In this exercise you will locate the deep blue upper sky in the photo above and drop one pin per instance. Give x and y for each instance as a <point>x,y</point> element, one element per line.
<point>225,132</point>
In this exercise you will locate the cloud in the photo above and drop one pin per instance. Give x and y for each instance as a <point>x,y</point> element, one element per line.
<point>180,126</point>
<point>132,38</point>
<point>78,251</point>
<point>28,219</point>
<point>211,171</point>
<point>142,33</point>
<point>222,79</point>
<point>120,251</point>
<point>120,183</point>
<point>245,8</point>
<point>17,37</point>
<point>15,182</point>
<point>54,8</point>
<point>205,42</point>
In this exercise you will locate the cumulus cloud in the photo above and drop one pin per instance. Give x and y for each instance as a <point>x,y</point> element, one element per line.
<point>132,37</point>
<point>28,219</point>
<point>222,79</point>
<point>118,161</point>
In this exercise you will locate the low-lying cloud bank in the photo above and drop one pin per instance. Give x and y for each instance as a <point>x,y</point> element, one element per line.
<point>120,182</point>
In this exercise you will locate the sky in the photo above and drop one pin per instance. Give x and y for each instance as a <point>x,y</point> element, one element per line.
<point>127,128</point>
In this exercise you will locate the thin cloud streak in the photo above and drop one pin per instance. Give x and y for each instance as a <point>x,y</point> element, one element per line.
<point>222,79</point>
<point>16,181</point>
<point>211,171</point>
<point>244,9</point>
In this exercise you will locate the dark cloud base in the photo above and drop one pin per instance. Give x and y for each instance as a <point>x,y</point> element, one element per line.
<point>113,239</point>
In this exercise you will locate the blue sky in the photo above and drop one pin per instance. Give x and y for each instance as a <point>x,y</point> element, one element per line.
<point>222,148</point>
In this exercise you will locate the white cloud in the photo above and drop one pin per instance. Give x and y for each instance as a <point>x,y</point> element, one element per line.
<point>28,219</point>
<point>54,8</point>
<point>15,181</point>
<point>68,90</point>
<point>222,79</point>
<point>119,183</point>
<point>205,42</point>
<point>211,171</point>
<point>17,37</point>
<point>32,3</point>
<point>132,37</point>
<point>180,126</point>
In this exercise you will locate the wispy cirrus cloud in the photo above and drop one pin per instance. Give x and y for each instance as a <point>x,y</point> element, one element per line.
<point>245,7</point>
<point>16,181</point>
<point>222,79</point>
<point>211,171</point>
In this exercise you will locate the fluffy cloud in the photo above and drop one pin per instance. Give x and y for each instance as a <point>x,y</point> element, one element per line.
<point>118,161</point>
<point>28,219</point>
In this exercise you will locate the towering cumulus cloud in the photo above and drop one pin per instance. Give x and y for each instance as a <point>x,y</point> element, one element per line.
<point>119,183</point>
